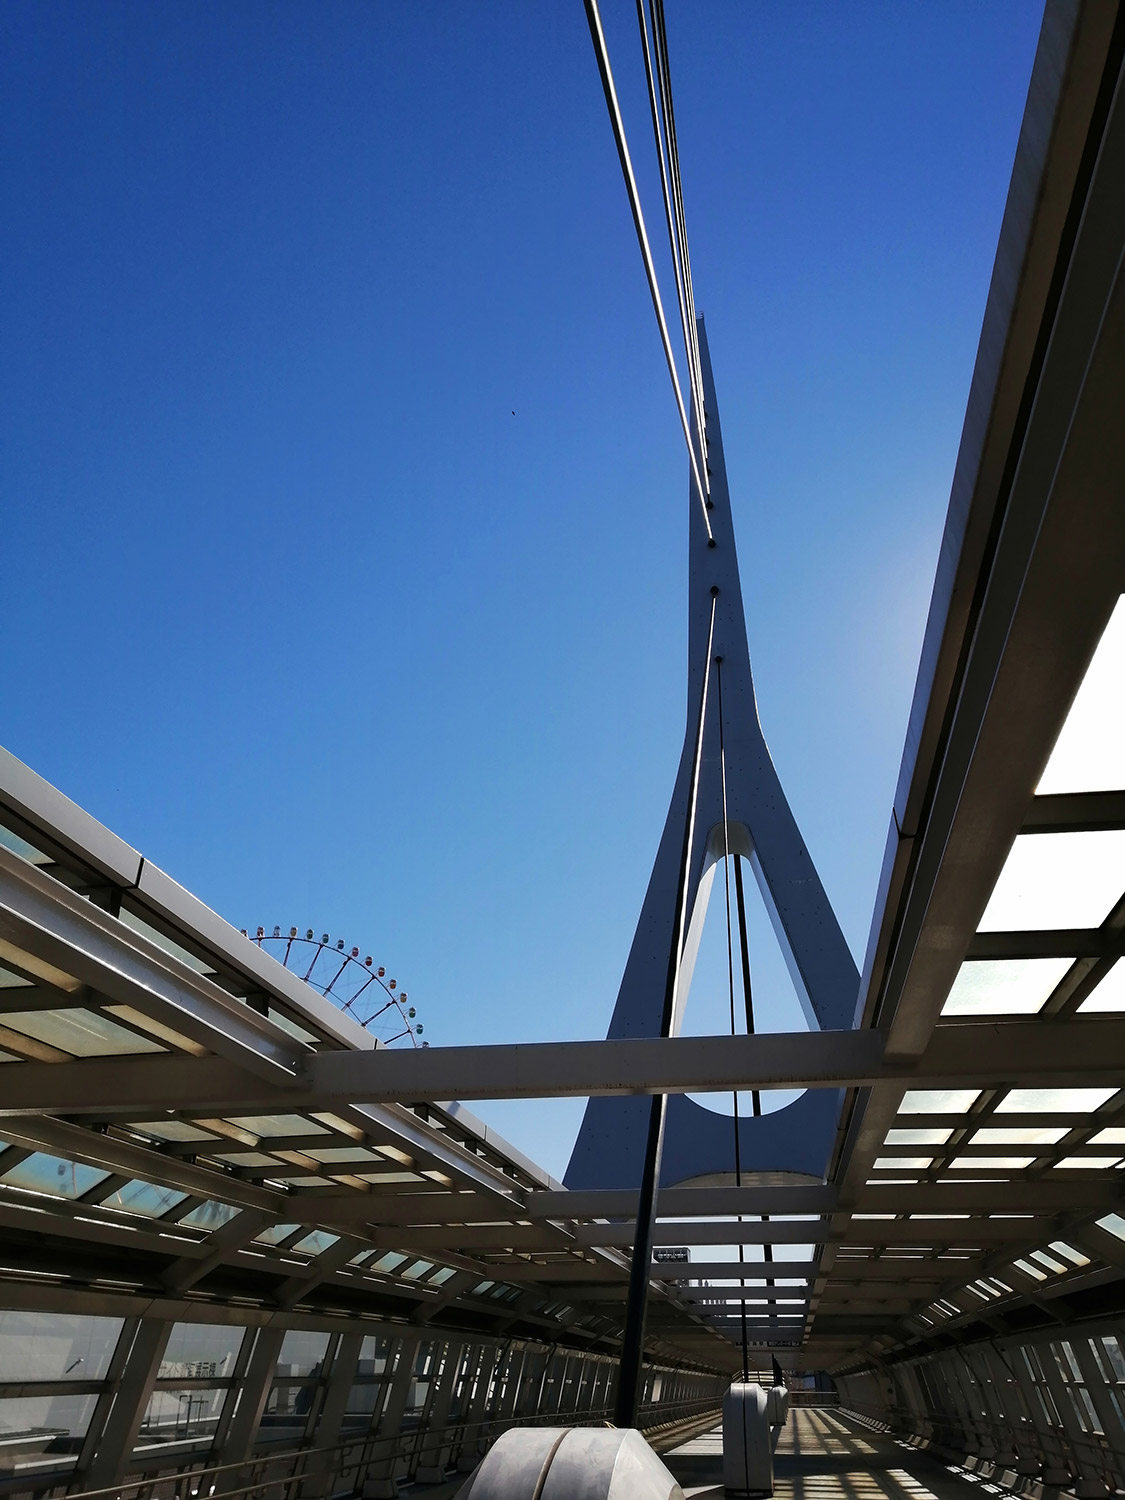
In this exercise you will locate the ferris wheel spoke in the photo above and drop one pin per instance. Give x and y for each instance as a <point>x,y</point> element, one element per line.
<point>351,971</point>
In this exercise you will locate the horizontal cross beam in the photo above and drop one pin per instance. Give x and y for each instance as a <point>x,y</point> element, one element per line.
<point>1063,1053</point>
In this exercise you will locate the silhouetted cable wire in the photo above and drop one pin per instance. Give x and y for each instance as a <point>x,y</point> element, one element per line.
<point>602,54</point>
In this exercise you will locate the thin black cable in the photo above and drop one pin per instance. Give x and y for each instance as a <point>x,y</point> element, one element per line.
<point>660,39</point>
<point>602,54</point>
<point>656,113</point>
<point>730,991</point>
<point>748,998</point>
<point>627,1397</point>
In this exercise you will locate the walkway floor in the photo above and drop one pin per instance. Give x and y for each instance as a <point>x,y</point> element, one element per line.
<point>823,1455</point>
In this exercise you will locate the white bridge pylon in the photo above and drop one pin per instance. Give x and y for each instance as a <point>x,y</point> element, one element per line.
<point>609,1151</point>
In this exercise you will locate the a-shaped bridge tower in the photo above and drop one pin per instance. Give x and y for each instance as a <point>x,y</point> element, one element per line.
<point>609,1151</point>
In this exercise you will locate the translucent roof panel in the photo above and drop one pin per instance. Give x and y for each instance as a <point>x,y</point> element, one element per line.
<point>1052,1101</point>
<point>1089,754</point>
<point>1109,993</point>
<point>933,1136</point>
<point>145,1198</point>
<point>275,1234</point>
<point>53,1175</point>
<point>938,1101</point>
<point>1004,987</point>
<point>173,1130</point>
<point>1090,1163</point>
<point>1019,1135</point>
<point>314,1243</point>
<point>209,1215</point>
<point>278,1125</point>
<point>1053,880</point>
<point>83,1033</point>
<point>992,1163</point>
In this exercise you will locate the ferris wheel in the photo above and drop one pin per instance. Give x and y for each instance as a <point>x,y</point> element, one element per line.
<point>356,985</point>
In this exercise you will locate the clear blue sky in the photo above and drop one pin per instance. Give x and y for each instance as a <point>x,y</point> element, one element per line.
<point>295,603</point>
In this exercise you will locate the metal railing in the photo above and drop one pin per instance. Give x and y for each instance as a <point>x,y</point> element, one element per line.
<point>1017,1445</point>
<point>356,1465</point>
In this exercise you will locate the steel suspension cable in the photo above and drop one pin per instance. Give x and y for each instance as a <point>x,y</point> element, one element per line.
<point>730,990</point>
<point>664,75</point>
<point>602,53</point>
<point>659,133</point>
<point>627,1396</point>
<point>748,999</point>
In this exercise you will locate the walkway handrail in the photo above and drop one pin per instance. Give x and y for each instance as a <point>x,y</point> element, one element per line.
<point>355,1454</point>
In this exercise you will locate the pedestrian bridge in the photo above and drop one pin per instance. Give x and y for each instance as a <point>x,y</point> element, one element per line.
<point>246,1252</point>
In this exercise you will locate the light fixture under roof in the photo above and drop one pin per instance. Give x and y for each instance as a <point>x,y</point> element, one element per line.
<point>1089,754</point>
<point>1004,987</point>
<point>1058,880</point>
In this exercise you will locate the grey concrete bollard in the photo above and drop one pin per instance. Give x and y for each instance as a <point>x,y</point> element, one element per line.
<point>571,1463</point>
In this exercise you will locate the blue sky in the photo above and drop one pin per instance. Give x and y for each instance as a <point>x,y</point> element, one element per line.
<point>345,504</point>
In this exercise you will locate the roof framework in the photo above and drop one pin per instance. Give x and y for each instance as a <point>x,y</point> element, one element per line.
<point>187,1124</point>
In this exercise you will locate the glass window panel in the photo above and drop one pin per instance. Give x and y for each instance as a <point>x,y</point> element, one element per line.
<point>1052,1101</point>
<point>47,1422</point>
<point>55,1346</point>
<point>1109,992</point>
<point>275,1234</point>
<point>145,1198</point>
<point>314,1243</point>
<point>1115,1356</point>
<point>373,1355</point>
<point>83,1033</point>
<point>1089,754</point>
<point>209,1215</point>
<point>173,1130</point>
<point>200,1351</point>
<point>1076,1163</point>
<point>1019,1135</point>
<point>934,1137</point>
<point>418,1268</point>
<point>10,981</point>
<point>439,1278</point>
<point>902,1163</point>
<point>278,1125</point>
<point>1114,1223</point>
<point>246,1158</point>
<point>54,1175</point>
<point>302,1353</point>
<point>938,1101</point>
<point>1057,880</point>
<point>1113,1136</point>
<point>177,1416</point>
<point>1004,987</point>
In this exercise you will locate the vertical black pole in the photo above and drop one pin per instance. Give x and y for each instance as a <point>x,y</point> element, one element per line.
<point>627,1399</point>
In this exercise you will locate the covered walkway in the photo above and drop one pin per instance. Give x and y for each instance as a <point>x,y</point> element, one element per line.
<point>824,1454</point>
